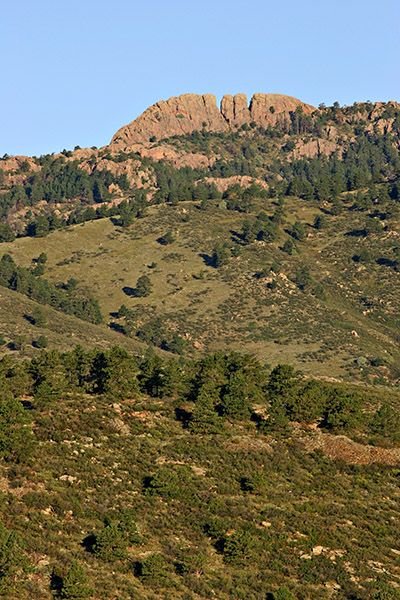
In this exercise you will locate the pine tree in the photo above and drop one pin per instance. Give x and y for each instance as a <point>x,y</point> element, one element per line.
<point>74,584</point>
<point>220,255</point>
<point>114,373</point>
<point>38,318</point>
<point>235,400</point>
<point>6,233</point>
<point>205,418</point>
<point>15,433</point>
<point>288,247</point>
<point>49,376</point>
<point>143,287</point>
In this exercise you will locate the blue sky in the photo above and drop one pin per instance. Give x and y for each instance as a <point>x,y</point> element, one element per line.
<point>73,72</point>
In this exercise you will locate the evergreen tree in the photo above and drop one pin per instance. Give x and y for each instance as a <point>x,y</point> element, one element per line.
<point>42,342</point>
<point>114,372</point>
<point>74,584</point>
<point>13,562</point>
<point>39,228</point>
<point>220,255</point>
<point>282,593</point>
<point>153,569</point>
<point>42,258</point>
<point>6,233</point>
<point>78,365</point>
<point>320,222</point>
<point>298,231</point>
<point>204,417</point>
<point>288,247</point>
<point>235,400</point>
<point>303,277</point>
<point>38,317</point>
<point>16,439</point>
<point>143,287</point>
<point>49,376</point>
<point>110,543</point>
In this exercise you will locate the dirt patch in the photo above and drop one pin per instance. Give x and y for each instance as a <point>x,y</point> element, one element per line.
<point>239,443</point>
<point>340,447</point>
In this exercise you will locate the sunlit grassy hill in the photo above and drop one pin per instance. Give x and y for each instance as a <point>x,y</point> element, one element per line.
<point>342,320</point>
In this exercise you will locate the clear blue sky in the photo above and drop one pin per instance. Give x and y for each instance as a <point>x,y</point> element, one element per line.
<point>73,72</point>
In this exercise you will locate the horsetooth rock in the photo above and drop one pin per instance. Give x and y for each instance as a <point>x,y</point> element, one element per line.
<point>181,115</point>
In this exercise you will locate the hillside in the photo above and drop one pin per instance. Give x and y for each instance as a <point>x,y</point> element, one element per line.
<point>154,479</point>
<point>301,203</point>
<point>320,307</point>
<point>200,358</point>
<point>63,332</point>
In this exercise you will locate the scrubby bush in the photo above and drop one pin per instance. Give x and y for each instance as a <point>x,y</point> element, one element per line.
<point>153,569</point>
<point>74,584</point>
<point>16,440</point>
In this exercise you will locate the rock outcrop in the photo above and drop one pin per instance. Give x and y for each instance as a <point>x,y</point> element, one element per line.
<point>181,115</point>
<point>235,110</point>
<point>270,109</point>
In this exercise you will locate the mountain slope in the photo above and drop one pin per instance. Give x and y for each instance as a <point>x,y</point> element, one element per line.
<point>255,301</point>
<point>298,205</point>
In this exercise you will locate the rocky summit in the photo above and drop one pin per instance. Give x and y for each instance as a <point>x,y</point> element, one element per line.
<point>181,115</point>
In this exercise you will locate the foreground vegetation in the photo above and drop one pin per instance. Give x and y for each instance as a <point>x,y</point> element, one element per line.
<point>190,479</point>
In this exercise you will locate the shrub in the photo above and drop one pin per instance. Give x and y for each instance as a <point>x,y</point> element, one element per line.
<point>15,432</point>
<point>74,585</point>
<point>153,569</point>
<point>238,547</point>
<point>143,287</point>
<point>110,543</point>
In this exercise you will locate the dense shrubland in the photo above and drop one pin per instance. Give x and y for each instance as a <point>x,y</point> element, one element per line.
<point>183,477</point>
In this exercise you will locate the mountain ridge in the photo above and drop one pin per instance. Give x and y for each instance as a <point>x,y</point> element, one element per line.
<point>194,112</point>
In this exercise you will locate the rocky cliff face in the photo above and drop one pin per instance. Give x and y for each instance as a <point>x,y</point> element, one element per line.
<point>184,114</point>
<point>177,116</point>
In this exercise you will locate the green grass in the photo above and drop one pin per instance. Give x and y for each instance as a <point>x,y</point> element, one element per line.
<point>63,331</point>
<point>215,308</point>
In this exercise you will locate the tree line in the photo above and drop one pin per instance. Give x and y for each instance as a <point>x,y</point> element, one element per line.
<point>220,387</point>
<point>58,181</point>
<point>62,297</point>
